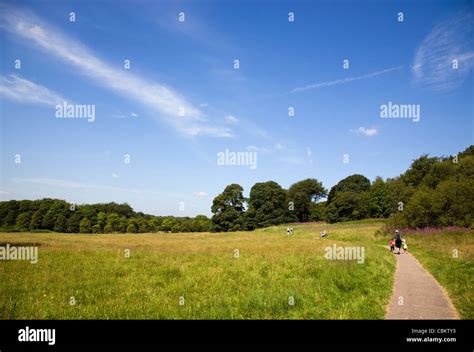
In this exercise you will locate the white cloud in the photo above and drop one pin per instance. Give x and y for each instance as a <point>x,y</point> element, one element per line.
<point>450,40</point>
<point>194,130</point>
<point>201,194</point>
<point>163,100</point>
<point>279,146</point>
<point>344,81</point>
<point>114,175</point>
<point>369,132</point>
<point>253,148</point>
<point>231,119</point>
<point>134,114</point>
<point>203,105</point>
<point>57,183</point>
<point>25,91</point>
<point>194,28</point>
<point>4,192</point>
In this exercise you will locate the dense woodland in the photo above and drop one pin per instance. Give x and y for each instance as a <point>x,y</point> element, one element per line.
<point>433,192</point>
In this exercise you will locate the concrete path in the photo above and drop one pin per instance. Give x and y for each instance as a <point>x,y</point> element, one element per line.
<point>417,294</point>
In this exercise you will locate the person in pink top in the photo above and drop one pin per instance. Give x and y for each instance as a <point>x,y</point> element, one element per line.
<point>392,245</point>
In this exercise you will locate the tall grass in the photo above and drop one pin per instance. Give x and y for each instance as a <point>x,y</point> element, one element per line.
<point>263,274</point>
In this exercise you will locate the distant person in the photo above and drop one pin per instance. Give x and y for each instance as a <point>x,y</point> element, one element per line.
<point>398,240</point>
<point>323,234</point>
<point>405,246</point>
<point>392,245</point>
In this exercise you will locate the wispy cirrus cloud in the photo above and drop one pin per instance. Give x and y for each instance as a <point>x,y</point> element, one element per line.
<point>266,149</point>
<point>58,183</point>
<point>201,194</point>
<point>450,40</point>
<point>344,80</point>
<point>253,148</point>
<point>230,119</point>
<point>27,92</point>
<point>192,26</point>
<point>279,146</point>
<point>369,132</point>
<point>171,106</point>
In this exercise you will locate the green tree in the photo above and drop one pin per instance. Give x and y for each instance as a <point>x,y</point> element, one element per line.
<point>96,228</point>
<point>378,206</point>
<point>454,202</point>
<point>228,209</point>
<point>48,220</point>
<point>267,205</point>
<point>131,227</point>
<point>26,205</point>
<point>10,219</point>
<point>72,224</point>
<point>56,208</point>
<point>143,226</point>
<point>101,220</point>
<point>301,195</point>
<point>178,227</point>
<point>420,210</point>
<point>108,228</point>
<point>36,220</point>
<point>123,223</point>
<point>355,183</point>
<point>114,221</point>
<point>438,172</point>
<point>153,224</point>
<point>318,211</point>
<point>347,206</point>
<point>23,220</point>
<point>60,223</point>
<point>168,223</point>
<point>201,223</point>
<point>398,194</point>
<point>85,226</point>
<point>418,169</point>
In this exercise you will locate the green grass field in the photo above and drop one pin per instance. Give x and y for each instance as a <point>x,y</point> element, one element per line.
<point>244,275</point>
<point>273,276</point>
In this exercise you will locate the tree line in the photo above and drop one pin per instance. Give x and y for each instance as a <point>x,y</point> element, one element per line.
<point>59,216</point>
<point>433,192</point>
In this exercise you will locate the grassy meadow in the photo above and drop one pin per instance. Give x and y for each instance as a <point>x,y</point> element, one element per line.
<point>263,274</point>
<point>449,256</point>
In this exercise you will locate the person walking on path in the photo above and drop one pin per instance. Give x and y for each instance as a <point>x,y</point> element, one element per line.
<point>398,240</point>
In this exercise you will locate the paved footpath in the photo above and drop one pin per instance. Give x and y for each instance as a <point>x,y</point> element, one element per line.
<point>422,296</point>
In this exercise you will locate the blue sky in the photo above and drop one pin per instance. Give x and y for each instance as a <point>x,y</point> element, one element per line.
<point>182,101</point>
